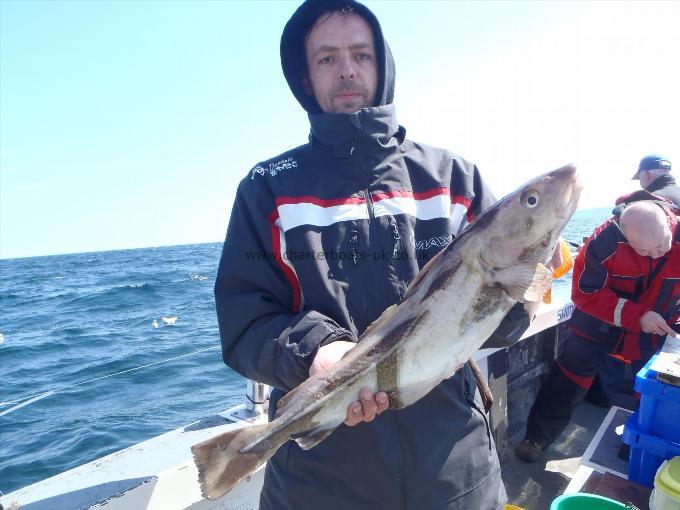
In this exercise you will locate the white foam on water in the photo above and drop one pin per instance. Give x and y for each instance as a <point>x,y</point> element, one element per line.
<point>196,276</point>
<point>2,339</point>
<point>154,323</point>
<point>170,321</point>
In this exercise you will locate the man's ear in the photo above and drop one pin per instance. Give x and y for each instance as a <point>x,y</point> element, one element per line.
<point>307,86</point>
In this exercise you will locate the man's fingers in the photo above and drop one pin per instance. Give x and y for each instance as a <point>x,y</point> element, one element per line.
<point>355,414</point>
<point>666,329</point>
<point>383,402</point>
<point>368,404</point>
<point>367,407</point>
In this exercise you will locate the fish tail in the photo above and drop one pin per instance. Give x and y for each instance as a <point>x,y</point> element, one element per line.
<point>223,461</point>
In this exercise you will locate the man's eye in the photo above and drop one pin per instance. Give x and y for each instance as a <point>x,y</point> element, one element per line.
<point>364,56</point>
<point>326,60</point>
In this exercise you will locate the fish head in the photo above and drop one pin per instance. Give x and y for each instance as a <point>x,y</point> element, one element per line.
<point>524,226</point>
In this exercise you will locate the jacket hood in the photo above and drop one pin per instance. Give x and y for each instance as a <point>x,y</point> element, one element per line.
<point>293,61</point>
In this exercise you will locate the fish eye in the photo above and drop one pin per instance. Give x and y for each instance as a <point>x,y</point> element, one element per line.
<point>530,199</point>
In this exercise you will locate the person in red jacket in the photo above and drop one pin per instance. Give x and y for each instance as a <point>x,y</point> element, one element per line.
<point>626,292</point>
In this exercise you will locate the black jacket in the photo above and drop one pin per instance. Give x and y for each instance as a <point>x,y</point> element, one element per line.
<point>322,239</point>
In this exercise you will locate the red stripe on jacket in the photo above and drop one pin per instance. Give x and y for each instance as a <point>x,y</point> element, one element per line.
<point>287,271</point>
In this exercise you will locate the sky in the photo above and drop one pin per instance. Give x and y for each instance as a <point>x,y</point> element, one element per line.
<point>129,124</point>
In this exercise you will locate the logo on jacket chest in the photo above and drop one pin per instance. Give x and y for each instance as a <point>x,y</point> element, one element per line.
<point>438,241</point>
<point>274,168</point>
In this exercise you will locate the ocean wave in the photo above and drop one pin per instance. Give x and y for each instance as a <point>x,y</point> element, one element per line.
<point>110,297</point>
<point>170,320</point>
<point>197,277</point>
<point>143,285</point>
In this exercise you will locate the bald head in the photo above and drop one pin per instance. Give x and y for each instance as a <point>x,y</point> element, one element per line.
<point>645,226</point>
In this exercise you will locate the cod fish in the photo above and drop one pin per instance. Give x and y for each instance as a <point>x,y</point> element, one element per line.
<point>453,305</point>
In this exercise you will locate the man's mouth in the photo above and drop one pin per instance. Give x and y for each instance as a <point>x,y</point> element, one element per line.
<point>349,93</point>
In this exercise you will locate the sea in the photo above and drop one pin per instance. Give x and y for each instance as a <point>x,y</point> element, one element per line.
<point>108,349</point>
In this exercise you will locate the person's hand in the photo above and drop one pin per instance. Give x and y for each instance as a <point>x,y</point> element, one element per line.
<point>652,322</point>
<point>329,354</point>
<point>367,407</point>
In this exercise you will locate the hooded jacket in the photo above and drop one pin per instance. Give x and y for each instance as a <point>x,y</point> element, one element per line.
<point>321,240</point>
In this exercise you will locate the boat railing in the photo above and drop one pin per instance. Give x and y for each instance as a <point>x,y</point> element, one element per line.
<point>257,396</point>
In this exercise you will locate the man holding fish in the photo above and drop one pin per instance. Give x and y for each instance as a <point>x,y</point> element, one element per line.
<point>322,240</point>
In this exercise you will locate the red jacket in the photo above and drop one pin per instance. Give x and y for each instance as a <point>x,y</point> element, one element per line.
<point>613,287</point>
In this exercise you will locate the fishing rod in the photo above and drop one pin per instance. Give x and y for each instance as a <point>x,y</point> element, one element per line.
<point>21,402</point>
<point>572,243</point>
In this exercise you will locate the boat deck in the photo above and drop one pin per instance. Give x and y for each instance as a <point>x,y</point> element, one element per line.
<point>534,486</point>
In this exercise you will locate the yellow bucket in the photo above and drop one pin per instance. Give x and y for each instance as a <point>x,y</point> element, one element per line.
<point>666,493</point>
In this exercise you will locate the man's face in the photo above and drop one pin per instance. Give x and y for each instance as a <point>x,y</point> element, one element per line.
<point>645,179</point>
<point>343,75</point>
<point>650,245</point>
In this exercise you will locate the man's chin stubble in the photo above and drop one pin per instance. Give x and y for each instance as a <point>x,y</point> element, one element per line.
<point>349,107</point>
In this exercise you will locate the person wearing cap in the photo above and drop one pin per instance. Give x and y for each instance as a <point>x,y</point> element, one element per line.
<point>626,293</point>
<point>654,174</point>
<point>322,239</point>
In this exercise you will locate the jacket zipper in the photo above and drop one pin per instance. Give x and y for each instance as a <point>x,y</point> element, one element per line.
<point>397,240</point>
<point>369,200</point>
<point>353,240</point>
<point>369,205</point>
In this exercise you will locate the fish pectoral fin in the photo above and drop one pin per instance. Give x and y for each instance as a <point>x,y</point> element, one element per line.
<point>524,282</point>
<point>313,438</point>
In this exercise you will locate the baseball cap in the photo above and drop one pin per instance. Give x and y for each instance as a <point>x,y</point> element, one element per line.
<point>652,162</point>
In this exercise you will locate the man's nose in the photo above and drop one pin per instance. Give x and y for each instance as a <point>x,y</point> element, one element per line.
<point>347,68</point>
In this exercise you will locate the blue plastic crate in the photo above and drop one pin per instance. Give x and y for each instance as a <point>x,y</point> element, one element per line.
<point>647,452</point>
<point>659,411</point>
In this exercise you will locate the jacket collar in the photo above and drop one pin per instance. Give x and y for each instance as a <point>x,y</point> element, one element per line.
<point>375,127</point>
<point>661,182</point>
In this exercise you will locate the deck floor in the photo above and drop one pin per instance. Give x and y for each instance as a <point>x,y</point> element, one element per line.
<point>535,486</point>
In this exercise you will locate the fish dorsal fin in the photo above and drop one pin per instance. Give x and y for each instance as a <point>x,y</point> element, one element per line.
<point>311,386</point>
<point>423,272</point>
<point>524,282</point>
<point>388,311</point>
<point>313,438</point>
<point>283,401</point>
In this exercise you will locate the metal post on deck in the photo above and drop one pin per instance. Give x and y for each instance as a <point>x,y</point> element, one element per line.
<point>257,395</point>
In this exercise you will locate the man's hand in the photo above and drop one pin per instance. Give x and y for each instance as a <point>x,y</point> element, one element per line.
<point>652,322</point>
<point>369,405</point>
<point>329,354</point>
